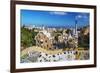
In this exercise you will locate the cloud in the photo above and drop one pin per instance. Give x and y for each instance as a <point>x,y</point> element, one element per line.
<point>58,13</point>
<point>81,16</point>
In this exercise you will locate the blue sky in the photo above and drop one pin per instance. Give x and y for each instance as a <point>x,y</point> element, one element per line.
<point>54,18</point>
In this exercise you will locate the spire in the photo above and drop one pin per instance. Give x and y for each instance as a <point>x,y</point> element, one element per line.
<point>75,27</point>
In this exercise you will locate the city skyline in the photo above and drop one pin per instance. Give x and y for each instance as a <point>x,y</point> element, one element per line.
<point>54,18</point>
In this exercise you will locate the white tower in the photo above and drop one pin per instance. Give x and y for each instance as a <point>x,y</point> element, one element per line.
<point>76,33</point>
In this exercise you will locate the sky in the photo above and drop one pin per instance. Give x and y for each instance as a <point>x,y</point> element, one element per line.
<point>54,18</point>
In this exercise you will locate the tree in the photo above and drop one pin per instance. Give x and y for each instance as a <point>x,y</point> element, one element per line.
<point>26,37</point>
<point>83,40</point>
<point>33,36</point>
<point>68,31</point>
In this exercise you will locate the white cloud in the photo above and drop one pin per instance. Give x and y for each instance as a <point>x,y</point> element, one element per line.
<point>58,13</point>
<point>81,16</point>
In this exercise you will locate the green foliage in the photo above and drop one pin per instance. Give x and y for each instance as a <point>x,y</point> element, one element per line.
<point>68,31</point>
<point>83,40</point>
<point>27,37</point>
<point>24,56</point>
<point>33,36</point>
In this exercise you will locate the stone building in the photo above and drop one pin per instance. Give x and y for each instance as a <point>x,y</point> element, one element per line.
<point>44,40</point>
